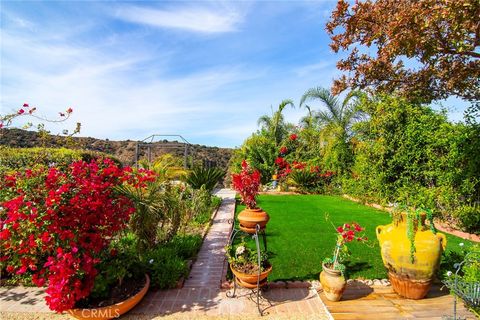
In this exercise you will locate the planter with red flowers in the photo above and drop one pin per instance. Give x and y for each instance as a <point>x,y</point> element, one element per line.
<point>58,226</point>
<point>332,277</point>
<point>247,184</point>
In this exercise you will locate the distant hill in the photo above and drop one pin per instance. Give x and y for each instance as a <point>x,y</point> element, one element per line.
<point>122,150</point>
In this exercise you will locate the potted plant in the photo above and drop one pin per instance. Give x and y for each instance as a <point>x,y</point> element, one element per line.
<point>332,277</point>
<point>247,183</point>
<point>58,223</point>
<point>411,251</point>
<point>120,284</point>
<point>248,266</point>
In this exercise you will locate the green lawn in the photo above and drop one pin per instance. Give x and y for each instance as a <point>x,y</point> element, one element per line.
<point>299,237</point>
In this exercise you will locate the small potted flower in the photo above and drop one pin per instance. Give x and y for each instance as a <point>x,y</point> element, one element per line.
<point>247,183</point>
<point>245,265</point>
<point>332,277</point>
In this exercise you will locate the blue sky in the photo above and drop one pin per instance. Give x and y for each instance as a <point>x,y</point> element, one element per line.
<point>204,70</point>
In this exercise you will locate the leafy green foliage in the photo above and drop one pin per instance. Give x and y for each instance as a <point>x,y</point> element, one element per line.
<point>165,267</point>
<point>208,177</point>
<point>120,263</point>
<point>12,159</point>
<point>410,154</point>
<point>185,246</point>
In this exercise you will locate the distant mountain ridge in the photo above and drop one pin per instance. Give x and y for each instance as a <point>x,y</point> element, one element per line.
<point>122,150</point>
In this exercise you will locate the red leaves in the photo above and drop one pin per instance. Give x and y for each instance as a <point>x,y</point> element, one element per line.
<point>69,216</point>
<point>247,183</point>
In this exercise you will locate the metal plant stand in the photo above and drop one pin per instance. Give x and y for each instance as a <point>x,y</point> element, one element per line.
<point>468,291</point>
<point>261,285</point>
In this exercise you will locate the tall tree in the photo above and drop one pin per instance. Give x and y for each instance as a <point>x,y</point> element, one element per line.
<point>336,119</point>
<point>275,125</point>
<point>423,49</point>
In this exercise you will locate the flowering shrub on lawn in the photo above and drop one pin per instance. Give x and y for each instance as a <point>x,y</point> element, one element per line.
<point>55,224</point>
<point>247,183</point>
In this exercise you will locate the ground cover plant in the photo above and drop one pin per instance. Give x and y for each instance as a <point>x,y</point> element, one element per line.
<point>299,237</point>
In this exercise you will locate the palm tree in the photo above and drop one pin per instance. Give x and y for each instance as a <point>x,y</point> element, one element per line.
<point>336,120</point>
<point>275,125</point>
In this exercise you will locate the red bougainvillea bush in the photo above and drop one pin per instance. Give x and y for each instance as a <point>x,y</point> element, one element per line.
<point>56,224</point>
<point>247,183</point>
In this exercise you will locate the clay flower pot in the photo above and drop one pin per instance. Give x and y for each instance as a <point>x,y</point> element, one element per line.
<point>249,218</point>
<point>113,311</point>
<point>333,283</point>
<point>250,280</point>
<point>409,279</point>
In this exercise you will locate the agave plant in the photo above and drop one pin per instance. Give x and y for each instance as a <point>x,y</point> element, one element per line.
<point>207,177</point>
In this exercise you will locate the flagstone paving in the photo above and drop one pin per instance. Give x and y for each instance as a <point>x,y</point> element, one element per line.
<point>201,296</point>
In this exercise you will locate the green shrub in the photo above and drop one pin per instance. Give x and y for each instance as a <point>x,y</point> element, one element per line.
<point>122,262</point>
<point>12,159</point>
<point>207,177</point>
<point>186,246</point>
<point>165,267</point>
<point>305,180</point>
<point>469,218</point>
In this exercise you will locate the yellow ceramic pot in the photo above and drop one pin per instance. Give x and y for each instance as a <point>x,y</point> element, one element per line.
<point>410,279</point>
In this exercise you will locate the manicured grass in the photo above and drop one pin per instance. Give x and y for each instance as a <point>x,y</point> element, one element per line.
<point>299,237</point>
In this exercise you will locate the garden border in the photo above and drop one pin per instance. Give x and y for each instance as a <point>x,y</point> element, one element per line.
<point>438,224</point>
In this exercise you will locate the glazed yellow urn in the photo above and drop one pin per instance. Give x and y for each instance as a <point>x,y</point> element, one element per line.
<point>410,278</point>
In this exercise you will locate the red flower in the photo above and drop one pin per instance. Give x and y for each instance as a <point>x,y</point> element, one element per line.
<point>25,105</point>
<point>339,229</point>
<point>283,150</point>
<point>10,269</point>
<point>21,111</point>
<point>247,183</point>
<point>293,137</point>
<point>69,110</point>
<point>69,217</point>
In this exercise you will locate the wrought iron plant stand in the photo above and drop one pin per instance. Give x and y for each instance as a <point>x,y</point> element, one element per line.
<point>261,285</point>
<point>468,291</point>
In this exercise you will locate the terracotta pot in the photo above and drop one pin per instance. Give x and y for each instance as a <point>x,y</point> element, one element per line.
<point>249,218</point>
<point>113,311</point>
<point>333,283</point>
<point>410,280</point>
<point>250,280</point>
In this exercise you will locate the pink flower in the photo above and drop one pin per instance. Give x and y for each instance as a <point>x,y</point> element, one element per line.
<point>21,111</point>
<point>25,105</point>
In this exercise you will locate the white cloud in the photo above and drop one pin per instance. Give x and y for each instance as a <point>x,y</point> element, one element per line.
<point>308,69</point>
<point>191,18</point>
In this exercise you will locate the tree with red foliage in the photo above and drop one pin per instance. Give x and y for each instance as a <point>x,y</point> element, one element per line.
<point>424,50</point>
